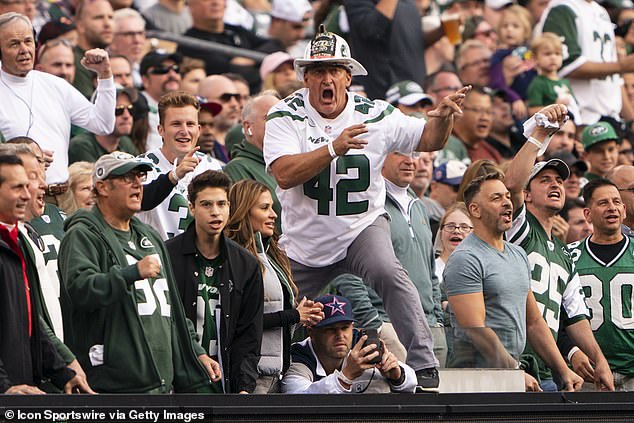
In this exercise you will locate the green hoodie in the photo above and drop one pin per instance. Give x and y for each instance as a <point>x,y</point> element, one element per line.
<point>248,163</point>
<point>99,308</point>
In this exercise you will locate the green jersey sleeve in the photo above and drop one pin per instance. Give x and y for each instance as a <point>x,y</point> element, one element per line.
<point>562,21</point>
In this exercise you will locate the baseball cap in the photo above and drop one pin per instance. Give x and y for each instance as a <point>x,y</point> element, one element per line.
<point>290,10</point>
<point>570,160</point>
<point>450,172</point>
<point>559,165</point>
<point>498,4</point>
<point>210,106</point>
<point>407,93</point>
<point>53,29</point>
<point>596,133</point>
<point>328,47</point>
<point>118,163</point>
<point>155,58</point>
<point>336,309</point>
<point>273,61</point>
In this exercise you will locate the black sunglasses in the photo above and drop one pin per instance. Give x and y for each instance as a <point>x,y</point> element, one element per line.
<point>162,70</point>
<point>118,111</point>
<point>227,97</point>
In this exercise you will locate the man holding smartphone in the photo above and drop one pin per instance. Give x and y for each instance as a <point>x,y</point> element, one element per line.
<point>338,359</point>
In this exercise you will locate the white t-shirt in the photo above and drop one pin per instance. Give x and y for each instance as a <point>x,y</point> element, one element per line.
<point>325,215</point>
<point>171,217</point>
<point>43,106</point>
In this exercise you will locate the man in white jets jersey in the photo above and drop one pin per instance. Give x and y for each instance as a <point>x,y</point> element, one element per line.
<point>177,162</point>
<point>326,147</point>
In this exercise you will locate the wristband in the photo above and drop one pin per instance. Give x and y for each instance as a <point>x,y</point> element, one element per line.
<point>400,380</point>
<point>343,378</point>
<point>174,175</point>
<point>572,352</point>
<point>535,142</point>
<point>331,150</point>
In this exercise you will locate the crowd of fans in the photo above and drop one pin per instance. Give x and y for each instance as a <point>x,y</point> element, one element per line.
<point>156,224</point>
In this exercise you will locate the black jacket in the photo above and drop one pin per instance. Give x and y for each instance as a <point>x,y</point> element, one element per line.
<point>24,359</point>
<point>241,302</point>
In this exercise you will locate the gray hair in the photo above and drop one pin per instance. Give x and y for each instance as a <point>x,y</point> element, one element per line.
<point>16,150</point>
<point>247,111</point>
<point>466,46</point>
<point>126,13</point>
<point>10,17</point>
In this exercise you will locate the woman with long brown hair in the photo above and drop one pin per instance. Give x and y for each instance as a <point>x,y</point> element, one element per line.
<point>252,225</point>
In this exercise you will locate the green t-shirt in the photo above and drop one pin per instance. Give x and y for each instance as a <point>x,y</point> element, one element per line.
<point>153,306</point>
<point>208,306</point>
<point>609,289</point>
<point>83,77</point>
<point>543,91</point>
<point>84,147</point>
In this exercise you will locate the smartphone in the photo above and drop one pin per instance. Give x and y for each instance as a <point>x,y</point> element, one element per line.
<point>373,338</point>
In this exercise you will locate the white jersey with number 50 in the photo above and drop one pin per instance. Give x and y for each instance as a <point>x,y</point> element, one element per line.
<point>324,215</point>
<point>171,217</point>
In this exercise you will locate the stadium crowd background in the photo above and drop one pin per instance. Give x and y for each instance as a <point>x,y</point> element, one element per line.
<point>505,50</point>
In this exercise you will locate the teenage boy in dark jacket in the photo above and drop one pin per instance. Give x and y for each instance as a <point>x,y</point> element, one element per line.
<point>122,315</point>
<point>218,279</point>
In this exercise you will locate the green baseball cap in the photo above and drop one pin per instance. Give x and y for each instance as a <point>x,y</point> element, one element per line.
<point>596,133</point>
<point>407,93</point>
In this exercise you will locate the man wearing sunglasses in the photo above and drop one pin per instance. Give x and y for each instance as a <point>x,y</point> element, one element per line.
<point>119,298</point>
<point>88,147</point>
<point>222,90</point>
<point>160,75</point>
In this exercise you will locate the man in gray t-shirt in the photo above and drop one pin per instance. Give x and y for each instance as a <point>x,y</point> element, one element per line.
<point>477,267</point>
<point>493,309</point>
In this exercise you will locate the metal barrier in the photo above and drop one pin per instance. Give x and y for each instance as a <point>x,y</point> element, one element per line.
<point>209,46</point>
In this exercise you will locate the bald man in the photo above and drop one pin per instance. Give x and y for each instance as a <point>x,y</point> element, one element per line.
<point>222,90</point>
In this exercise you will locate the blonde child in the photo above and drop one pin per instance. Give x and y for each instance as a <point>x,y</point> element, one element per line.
<point>511,67</point>
<point>547,88</point>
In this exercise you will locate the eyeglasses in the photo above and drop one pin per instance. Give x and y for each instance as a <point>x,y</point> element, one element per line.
<point>130,34</point>
<point>131,177</point>
<point>118,111</point>
<point>162,70</point>
<point>52,43</point>
<point>487,33</point>
<point>226,97</point>
<point>452,89</point>
<point>450,227</point>
<point>630,189</point>
<point>485,62</point>
<point>478,110</point>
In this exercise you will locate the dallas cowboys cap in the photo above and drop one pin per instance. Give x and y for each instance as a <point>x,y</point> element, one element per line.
<point>336,309</point>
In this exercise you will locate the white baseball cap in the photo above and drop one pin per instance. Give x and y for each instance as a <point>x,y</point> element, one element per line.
<point>290,10</point>
<point>118,163</point>
<point>327,47</point>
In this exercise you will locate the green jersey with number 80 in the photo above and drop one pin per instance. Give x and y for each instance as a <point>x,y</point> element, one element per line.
<point>609,289</point>
<point>324,215</point>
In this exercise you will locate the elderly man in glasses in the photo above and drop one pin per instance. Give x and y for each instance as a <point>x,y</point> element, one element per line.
<point>88,147</point>
<point>43,107</point>
<point>120,301</point>
<point>160,75</point>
